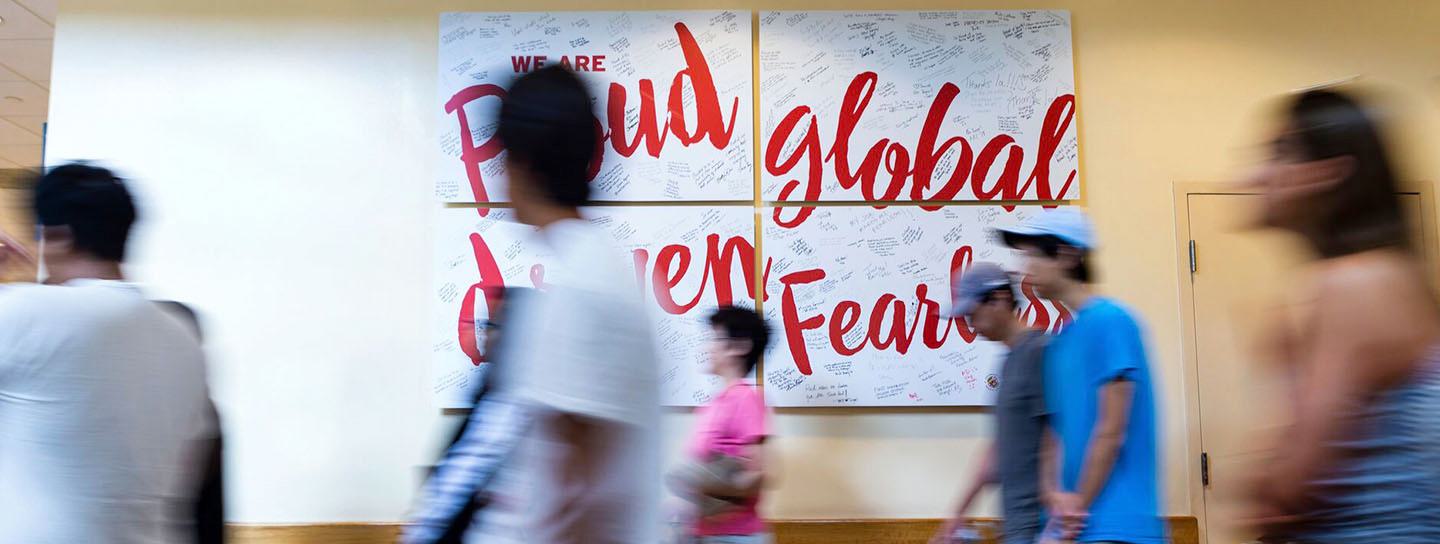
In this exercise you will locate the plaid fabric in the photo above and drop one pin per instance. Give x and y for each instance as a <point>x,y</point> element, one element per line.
<point>491,434</point>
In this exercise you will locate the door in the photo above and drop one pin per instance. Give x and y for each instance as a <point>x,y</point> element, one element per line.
<point>1239,281</point>
<point>15,219</point>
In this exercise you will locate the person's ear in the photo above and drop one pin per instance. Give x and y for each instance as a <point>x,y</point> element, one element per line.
<point>57,239</point>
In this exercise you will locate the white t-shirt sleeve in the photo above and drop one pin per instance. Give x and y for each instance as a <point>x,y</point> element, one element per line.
<point>594,355</point>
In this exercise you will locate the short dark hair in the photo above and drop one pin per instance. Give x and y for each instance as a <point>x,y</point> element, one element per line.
<point>93,202</point>
<point>1050,246</point>
<point>547,123</point>
<point>1362,211</point>
<point>743,324</point>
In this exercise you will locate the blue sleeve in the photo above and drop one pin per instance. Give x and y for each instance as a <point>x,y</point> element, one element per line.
<point>1120,351</point>
<point>491,435</point>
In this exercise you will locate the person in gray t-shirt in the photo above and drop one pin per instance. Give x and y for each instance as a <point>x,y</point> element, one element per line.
<point>986,297</point>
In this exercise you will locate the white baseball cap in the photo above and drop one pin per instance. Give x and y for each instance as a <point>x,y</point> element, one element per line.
<point>1067,223</point>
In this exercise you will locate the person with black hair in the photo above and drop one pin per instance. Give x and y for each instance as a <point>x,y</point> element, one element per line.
<point>1360,460</point>
<point>85,214</point>
<point>587,470</point>
<point>1098,393</point>
<point>547,126</point>
<point>105,418</point>
<point>987,299</point>
<point>727,469</point>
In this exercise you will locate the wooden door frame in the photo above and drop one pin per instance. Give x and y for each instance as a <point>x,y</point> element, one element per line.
<point>1191,375</point>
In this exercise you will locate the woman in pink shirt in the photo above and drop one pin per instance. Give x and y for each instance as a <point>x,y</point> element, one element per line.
<point>729,433</point>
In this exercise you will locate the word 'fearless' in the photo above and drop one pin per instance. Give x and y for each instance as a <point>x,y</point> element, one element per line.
<point>892,323</point>
<point>583,63</point>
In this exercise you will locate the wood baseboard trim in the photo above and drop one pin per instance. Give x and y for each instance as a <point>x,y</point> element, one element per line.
<point>853,531</point>
<point>318,533</point>
<point>1183,530</point>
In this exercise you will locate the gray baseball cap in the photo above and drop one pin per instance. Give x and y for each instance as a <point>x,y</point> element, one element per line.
<point>974,284</point>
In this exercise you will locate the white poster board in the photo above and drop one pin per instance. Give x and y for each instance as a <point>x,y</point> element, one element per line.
<point>673,98</point>
<point>860,301</point>
<point>688,260</point>
<point>924,106</point>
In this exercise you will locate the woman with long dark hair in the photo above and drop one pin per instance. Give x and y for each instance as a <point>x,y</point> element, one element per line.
<point>1361,460</point>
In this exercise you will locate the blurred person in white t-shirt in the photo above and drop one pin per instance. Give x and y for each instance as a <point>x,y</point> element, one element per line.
<point>105,421</point>
<point>588,469</point>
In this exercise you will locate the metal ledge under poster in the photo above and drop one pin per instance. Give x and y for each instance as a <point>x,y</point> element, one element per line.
<point>934,106</point>
<point>673,93</point>
<point>688,260</point>
<point>860,300</point>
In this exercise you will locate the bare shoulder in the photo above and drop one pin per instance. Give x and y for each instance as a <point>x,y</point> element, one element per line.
<point>1377,305</point>
<point>1372,278</point>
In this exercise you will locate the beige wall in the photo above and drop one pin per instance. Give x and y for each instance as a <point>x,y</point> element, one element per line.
<point>284,150</point>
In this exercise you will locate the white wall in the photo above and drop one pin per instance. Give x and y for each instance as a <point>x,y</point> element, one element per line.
<point>282,150</point>
<point>284,193</point>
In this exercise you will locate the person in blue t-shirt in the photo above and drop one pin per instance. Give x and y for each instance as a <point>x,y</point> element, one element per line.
<point>1098,391</point>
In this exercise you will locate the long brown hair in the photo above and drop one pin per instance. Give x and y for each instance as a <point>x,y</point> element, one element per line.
<point>1362,212</point>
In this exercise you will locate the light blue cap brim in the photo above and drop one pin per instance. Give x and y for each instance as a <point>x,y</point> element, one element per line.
<point>1014,236</point>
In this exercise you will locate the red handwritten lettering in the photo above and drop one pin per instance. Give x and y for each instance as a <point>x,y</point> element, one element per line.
<point>664,281</point>
<point>672,264</point>
<point>847,314</point>
<point>960,262</point>
<point>647,131</point>
<point>639,258</point>
<point>470,154</point>
<point>896,158</point>
<point>710,123</point>
<point>1037,316</point>
<point>490,279</point>
<point>892,323</point>
<point>718,267</point>
<point>809,147</point>
<point>710,120</point>
<point>790,317</point>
